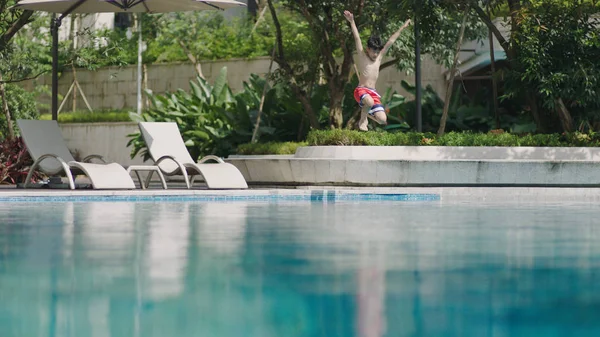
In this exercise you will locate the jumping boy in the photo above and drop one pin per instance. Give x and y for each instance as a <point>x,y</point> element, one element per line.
<point>369,62</point>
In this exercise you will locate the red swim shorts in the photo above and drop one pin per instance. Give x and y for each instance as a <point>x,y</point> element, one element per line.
<point>361,92</point>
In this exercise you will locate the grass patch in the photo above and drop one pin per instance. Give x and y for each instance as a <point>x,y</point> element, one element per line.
<point>269,148</point>
<point>90,117</point>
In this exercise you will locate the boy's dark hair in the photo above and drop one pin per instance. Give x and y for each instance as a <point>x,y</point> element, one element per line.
<point>375,43</point>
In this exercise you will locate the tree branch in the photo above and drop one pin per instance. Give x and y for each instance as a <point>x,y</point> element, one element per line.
<point>279,35</point>
<point>324,45</point>
<point>389,64</point>
<point>488,22</point>
<point>25,78</point>
<point>287,68</point>
<point>24,19</point>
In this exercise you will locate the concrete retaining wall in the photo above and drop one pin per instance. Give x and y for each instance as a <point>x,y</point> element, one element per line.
<point>293,171</point>
<point>106,139</point>
<point>437,153</point>
<point>425,166</point>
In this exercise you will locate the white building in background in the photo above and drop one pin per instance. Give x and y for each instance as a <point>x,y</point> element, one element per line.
<point>98,21</point>
<point>84,23</point>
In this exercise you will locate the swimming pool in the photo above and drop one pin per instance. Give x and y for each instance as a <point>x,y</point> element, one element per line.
<point>299,268</point>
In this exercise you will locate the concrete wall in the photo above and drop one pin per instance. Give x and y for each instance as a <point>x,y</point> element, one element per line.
<point>365,172</point>
<point>106,139</point>
<point>440,153</point>
<point>116,88</point>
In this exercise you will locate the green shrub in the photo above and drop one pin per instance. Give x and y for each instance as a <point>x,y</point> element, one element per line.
<point>21,104</point>
<point>380,138</point>
<point>269,148</point>
<point>374,138</point>
<point>89,117</point>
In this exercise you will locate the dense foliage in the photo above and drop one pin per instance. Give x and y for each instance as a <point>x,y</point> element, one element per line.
<point>213,120</point>
<point>558,47</point>
<point>21,104</point>
<point>15,162</point>
<point>550,83</point>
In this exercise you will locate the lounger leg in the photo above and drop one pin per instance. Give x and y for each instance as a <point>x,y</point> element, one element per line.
<point>187,179</point>
<point>137,173</point>
<point>162,179</point>
<point>29,175</point>
<point>64,165</point>
<point>148,178</point>
<point>70,177</point>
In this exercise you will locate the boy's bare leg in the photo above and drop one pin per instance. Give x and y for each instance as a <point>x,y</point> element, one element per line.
<point>363,123</point>
<point>380,117</point>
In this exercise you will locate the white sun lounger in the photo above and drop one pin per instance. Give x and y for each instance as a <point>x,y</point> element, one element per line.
<point>44,141</point>
<point>166,147</point>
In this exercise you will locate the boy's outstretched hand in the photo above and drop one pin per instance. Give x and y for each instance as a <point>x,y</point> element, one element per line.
<point>406,23</point>
<point>349,16</point>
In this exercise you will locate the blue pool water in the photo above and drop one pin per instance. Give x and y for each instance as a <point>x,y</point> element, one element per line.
<point>346,268</point>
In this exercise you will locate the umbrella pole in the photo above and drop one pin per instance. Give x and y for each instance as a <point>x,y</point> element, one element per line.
<point>54,26</point>
<point>139,70</point>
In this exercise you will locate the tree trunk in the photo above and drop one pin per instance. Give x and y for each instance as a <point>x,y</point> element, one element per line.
<point>337,75</point>
<point>287,69</point>
<point>308,110</point>
<point>450,87</point>
<point>145,75</point>
<point>511,53</point>
<point>353,121</point>
<point>198,67</point>
<point>535,112</point>
<point>565,116</point>
<point>493,74</point>
<point>262,98</point>
<point>11,131</point>
<point>74,89</point>
<point>336,115</point>
<point>193,59</point>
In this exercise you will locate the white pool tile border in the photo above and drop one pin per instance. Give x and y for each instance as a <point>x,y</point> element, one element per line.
<point>443,194</point>
<point>17,195</point>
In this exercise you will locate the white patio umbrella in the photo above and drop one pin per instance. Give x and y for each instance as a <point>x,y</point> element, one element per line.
<point>66,7</point>
<point>130,6</point>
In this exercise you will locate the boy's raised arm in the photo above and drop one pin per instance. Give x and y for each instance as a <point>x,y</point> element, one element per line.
<point>350,17</point>
<point>394,37</point>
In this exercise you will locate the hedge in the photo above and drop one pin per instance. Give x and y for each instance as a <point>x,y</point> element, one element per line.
<point>269,148</point>
<point>89,117</point>
<point>350,137</point>
<point>374,138</point>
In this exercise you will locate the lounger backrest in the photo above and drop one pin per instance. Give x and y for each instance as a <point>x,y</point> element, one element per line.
<point>164,139</point>
<point>44,137</point>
